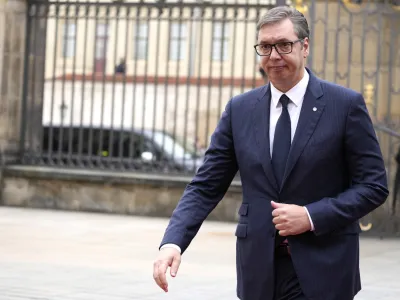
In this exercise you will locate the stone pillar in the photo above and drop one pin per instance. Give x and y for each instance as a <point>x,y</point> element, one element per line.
<point>12,37</point>
<point>19,100</point>
<point>2,32</point>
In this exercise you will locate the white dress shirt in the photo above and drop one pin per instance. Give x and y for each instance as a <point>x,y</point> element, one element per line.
<point>296,95</point>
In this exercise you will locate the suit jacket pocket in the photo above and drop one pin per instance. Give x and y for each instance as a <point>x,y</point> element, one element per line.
<point>241,230</point>
<point>243,209</point>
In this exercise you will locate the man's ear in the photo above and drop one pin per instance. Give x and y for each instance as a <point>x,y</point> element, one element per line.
<point>306,47</point>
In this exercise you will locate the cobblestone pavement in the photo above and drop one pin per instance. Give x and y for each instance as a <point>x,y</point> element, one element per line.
<point>58,255</point>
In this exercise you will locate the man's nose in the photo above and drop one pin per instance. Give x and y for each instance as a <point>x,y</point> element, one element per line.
<point>274,54</point>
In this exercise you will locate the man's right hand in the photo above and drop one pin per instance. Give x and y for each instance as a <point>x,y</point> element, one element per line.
<point>167,257</point>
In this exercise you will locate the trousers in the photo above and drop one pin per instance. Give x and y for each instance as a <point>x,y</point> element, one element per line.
<point>287,286</point>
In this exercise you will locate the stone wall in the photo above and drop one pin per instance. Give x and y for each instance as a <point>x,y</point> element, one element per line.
<point>104,191</point>
<point>132,194</point>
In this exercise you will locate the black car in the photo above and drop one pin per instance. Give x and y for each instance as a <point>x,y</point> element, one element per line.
<point>138,149</point>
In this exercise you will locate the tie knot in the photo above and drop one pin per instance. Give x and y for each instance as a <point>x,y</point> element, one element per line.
<point>284,100</point>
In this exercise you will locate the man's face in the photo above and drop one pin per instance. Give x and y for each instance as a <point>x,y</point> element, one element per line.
<point>284,70</point>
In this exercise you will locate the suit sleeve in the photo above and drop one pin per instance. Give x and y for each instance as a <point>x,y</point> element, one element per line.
<point>368,188</point>
<point>207,188</point>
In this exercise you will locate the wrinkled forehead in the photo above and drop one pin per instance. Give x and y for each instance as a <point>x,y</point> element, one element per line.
<point>277,32</point>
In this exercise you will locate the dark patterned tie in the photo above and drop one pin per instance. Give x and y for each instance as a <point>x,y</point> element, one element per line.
<point>281,148</point>
<point>282,141</point>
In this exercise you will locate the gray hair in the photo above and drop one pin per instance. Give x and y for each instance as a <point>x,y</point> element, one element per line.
<point>280,13</point>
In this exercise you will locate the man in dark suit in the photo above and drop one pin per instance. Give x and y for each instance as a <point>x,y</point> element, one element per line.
<point>310,166</point>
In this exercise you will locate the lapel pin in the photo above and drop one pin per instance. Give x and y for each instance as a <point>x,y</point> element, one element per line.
<point>314,109</point>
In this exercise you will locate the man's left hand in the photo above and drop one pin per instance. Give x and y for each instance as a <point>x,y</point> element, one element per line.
<point>290,219</point>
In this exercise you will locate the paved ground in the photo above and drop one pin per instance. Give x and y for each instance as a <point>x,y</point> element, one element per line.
<point>78,256</point>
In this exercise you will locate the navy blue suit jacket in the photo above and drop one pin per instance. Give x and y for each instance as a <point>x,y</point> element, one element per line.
<point>335,169</point>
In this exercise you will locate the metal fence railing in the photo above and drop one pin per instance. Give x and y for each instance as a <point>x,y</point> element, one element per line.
<point>140,85</point>
<point>133,85</point>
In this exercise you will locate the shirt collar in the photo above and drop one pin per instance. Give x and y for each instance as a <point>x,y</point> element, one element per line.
<point>295,94</point>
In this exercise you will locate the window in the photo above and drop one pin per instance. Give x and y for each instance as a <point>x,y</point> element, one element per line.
<point>178,35</point>
<point>220,42</point>
<point>69,40</point>
<point>141,41</point>
<point>101,40</point>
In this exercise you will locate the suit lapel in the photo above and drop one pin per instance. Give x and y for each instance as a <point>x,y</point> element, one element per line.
<point>261,112</point>
<point>311,111</point>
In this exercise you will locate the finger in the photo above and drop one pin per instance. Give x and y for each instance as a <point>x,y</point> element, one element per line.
<point>283,232</point>
<point>162,270</point>
<point>280,219</point>
<point>175,266</point>
<point>277,220</point>
<point>156,276</point>
<point>277,212</point>
<point>280,227</point>
<point>277,205</point>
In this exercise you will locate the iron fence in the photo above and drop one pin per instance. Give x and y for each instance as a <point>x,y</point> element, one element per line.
<point>357,44</point>
<point>133,85</point>
<point>141,85</point>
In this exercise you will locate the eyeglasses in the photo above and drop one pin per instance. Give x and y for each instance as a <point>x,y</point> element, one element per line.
<point>281,48</point>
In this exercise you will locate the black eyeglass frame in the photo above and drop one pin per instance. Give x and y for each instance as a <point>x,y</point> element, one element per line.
<point>276,48</point>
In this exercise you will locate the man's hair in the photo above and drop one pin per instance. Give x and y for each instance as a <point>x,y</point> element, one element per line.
<point>280,13</point>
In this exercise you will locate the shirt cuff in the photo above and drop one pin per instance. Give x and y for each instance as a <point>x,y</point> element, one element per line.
<point>309,217</point>
<point>171,246</point>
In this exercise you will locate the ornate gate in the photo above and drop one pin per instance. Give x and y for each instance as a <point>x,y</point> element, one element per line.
<point>356,44</point>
